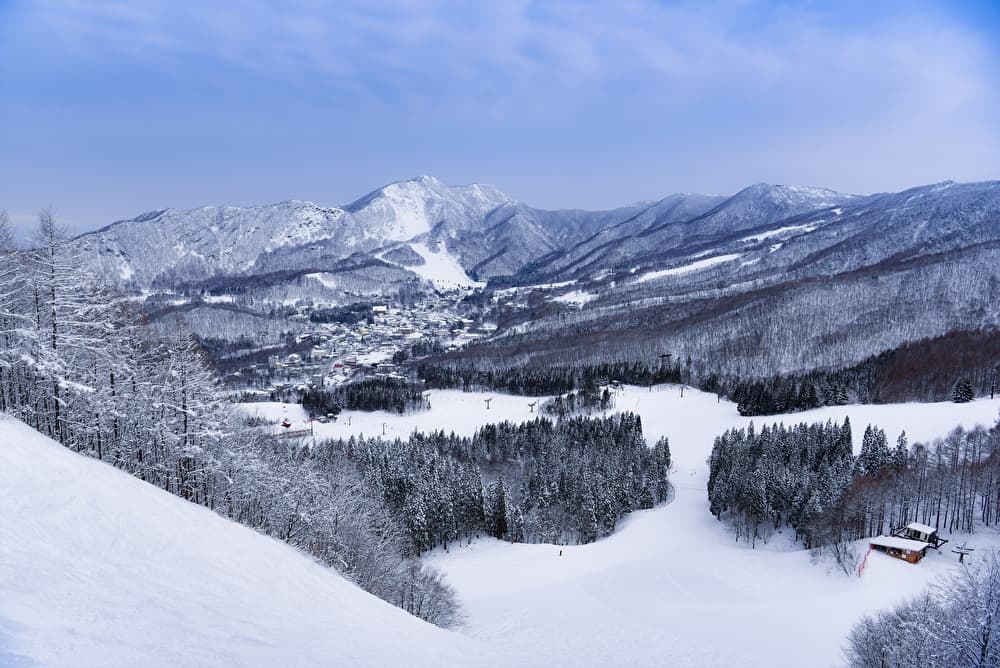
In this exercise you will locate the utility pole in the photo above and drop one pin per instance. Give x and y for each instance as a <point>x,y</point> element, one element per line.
<point>488,402</point>
<point>993,383</point>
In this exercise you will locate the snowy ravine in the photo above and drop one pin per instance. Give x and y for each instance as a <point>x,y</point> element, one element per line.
<point>98,568</point>
<point>670,587</point>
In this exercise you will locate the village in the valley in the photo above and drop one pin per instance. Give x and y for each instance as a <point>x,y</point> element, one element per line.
<point>379,344</point>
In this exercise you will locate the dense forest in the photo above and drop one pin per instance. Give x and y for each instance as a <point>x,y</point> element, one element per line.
<point>545,380</point>
<point>957,366</point>
<point>588,399</point>
<point>77,364</point>
<point>806,477</point>
<point>926,370</point>
<point>541,481</point>
<point>395,395</point>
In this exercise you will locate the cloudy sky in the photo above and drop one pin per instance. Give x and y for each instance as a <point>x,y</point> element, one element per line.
<point>108,109</point>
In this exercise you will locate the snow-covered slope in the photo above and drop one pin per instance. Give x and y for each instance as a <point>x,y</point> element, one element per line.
<point>403,210</point>
<point>100,569</point>
<point>441,268</point>
<point>671,587</point>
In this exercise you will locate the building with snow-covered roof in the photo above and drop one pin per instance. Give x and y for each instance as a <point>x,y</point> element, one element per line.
<point>901,548</point>
<point>921,532</point>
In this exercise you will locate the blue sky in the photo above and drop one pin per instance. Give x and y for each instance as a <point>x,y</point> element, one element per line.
<point>109,108</point>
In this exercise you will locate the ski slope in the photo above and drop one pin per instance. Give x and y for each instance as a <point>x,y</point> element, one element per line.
<point>698,265</point>
<point>101,569</point>
<point>441,268</point>
<point>670,587</point>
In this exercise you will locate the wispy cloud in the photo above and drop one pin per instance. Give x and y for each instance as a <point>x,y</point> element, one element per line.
<point>552,99</point>
<point>420,51</point>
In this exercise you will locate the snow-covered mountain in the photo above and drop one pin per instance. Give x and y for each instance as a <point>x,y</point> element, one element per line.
<point>168,247</point>
<point>423,232</point>
<point>98,568</point>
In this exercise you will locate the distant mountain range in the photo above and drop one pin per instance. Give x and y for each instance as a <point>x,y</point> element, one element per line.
<point>486,232</point>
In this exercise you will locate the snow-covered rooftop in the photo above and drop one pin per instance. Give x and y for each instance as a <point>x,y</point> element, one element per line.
<point>898,543</point>
<point>922,528</point>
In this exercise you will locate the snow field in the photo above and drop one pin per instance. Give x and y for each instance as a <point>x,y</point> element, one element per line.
<point>687,268</point>
<point>576,297</point>
<point>781,231</point>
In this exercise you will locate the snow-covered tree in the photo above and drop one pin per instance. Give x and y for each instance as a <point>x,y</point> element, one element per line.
<point>963,392</point>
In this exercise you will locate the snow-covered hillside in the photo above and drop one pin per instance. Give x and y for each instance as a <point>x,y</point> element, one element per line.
<point>670,587</point>
<point>101,569</point>
<point>403,210</point>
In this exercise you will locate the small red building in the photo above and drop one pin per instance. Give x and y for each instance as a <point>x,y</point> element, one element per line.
<point>901,548</point>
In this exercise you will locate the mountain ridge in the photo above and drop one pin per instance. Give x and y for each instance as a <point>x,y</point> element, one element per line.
<point>486,232</point>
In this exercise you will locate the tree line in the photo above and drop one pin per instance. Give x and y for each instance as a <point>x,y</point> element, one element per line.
<point>540,481</point>
<point>78,364</point>
<point>394,395</point>
<point>537,381</point>
<point>587,399</point>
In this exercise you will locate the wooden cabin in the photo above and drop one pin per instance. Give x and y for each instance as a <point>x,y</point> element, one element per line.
<point>920,532</point>
<point>901,548</point>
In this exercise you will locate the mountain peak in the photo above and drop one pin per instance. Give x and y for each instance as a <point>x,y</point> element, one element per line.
<point>789,196</point>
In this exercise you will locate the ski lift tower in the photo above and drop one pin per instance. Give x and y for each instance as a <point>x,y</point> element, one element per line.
<point>963,551</point>
<point>664,358</point>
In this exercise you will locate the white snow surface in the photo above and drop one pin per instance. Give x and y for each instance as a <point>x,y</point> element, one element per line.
<point>688,268</point>
<point>441,268</point>
<point>671,587</point>
<point>98,568</point>
<point>898,543</point>
<point>578,297</point>
<point>781,231</point>
<point>922,528</point>
<point>327,280</point>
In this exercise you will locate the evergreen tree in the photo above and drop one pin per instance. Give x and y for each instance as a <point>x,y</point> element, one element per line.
<point>963,392</point>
